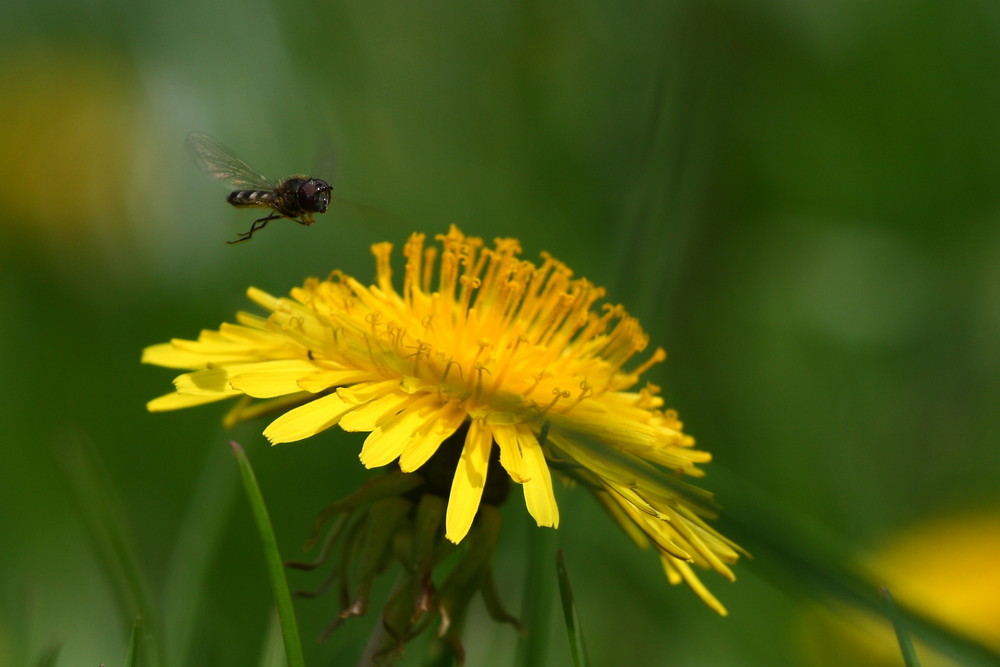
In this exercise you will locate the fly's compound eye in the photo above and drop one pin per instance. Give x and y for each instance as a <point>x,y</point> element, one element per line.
<point>314,195</point>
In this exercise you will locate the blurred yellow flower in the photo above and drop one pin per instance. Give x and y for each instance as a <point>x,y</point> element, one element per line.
<point>513,349</point>
<point>74,120</point>
<point>944,568</point>
<point>947,567</point>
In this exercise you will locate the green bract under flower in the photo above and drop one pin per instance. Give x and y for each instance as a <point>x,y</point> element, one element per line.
<point>476,335</point>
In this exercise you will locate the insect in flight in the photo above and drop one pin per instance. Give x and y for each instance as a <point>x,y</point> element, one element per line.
<point>296,197</point>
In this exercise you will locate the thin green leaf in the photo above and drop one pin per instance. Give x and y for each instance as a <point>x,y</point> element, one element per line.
<point>134,656</point>
<point>906,647</point>
<point>272,557</point>
<point>574,631</point>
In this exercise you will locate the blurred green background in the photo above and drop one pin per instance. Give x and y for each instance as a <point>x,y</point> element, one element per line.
<point>798,199</point>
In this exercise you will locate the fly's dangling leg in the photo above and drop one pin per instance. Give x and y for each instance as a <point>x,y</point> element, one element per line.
<point>257,224</point>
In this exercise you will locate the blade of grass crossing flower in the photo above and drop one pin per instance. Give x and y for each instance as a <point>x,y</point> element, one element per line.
<point>134,656</point>
<point>275,567</point>
<point>902,631</point>
<point>574,631</point>
<point>103,517</point>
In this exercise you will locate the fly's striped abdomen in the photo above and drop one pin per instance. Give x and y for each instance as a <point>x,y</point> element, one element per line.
<point>248,198</point>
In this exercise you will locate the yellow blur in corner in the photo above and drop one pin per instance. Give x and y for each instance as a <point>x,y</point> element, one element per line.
<point>68,134</point>
<point>945,567</point>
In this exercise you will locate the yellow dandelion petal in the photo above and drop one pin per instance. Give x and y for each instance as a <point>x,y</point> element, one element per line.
<point>177,401</point>
<point>469,482</point>
<point>538,495</point>
<point>262,298</point>
<point>169,356</point>
<point>384,444</point>
<point>622,518</point>
<point>307,420</point>
<point>510,452</point>
<point>363,392</point>
<point>210,382</point>
<point>678,571</point>
<point>322,380</point>
<point>268,379</point>
<point>426,440</point>
<point>374,413</point>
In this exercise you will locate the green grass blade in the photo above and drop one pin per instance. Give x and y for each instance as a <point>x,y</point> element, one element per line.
<point>134,656</point>
<point>574,631</point>
<point>906,647</point>
<point>272,557</point>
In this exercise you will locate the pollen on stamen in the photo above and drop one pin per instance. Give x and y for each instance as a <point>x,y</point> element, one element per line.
<point>469,286</point>
<point>557,393</point>
<point>586,391</point>
<point>647,397</point>
<point>413,252</point>
<point>447,369</point>
<point>430,255</point>
<point>377,360</point>
<point>383,266</point>
<point>659,355</point>
<point>477,392</point>
<point>421,351</point>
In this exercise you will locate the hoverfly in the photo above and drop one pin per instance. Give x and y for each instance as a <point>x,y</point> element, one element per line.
<point>296,197</point>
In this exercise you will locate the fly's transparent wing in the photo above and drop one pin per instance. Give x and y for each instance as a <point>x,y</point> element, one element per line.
<point>325,162</point>
<point>222,164</point>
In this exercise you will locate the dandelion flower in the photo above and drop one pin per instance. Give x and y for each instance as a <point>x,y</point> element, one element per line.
<point>518,352</point>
